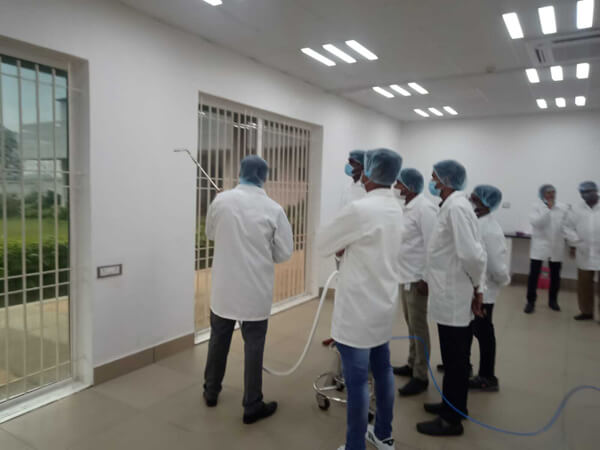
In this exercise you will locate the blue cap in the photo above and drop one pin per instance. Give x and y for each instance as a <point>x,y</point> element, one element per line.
<point>451,173</point>
<point>490,196</point>
<point>588,186</point>
<point>545,188</point>
<point>253,170</point>
<point>382,166</point>
<point>358,156</point>
<point>412,179</point>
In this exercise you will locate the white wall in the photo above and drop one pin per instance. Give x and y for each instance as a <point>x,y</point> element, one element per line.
<point>517,154</point>
<point>143,88</point>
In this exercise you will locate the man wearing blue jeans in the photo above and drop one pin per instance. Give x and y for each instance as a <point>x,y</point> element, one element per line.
<point>369,233</point>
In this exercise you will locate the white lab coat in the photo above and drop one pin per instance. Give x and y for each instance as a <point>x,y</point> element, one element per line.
<point>370,232</point>
<point>353,191</point>
<point>456,262</point>
<point>420,216</point>
<point>547,239</point>
<point>251,234</point>
<point>497,273</point>
<point>582,230</point>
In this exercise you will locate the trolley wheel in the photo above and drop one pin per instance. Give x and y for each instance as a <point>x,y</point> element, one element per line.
<point>323,402</point>
<point>371,416</point>
<point>339,386</point>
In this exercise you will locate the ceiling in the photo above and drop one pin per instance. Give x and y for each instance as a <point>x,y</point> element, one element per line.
<point>460,51</point>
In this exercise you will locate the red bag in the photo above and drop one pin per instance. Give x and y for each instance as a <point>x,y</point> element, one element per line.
<point>544,280</point>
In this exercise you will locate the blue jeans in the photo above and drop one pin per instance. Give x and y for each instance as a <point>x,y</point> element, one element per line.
<point>356,363</point>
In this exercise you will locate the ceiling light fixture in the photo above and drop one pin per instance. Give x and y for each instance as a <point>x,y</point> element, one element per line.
<point>361,50</point>
<point>560,102</point>
<point>580,100</point>
<point>383,92</point>
<point>421,112</point>
<point>340,54</point>
<point>547,19</point>
<point>322,59</point>
<point>450,110</point>
<point>400,90</point>
<point>532,75</point>
<point>511,20</point>
<point>542,104</point>
<point>418,88</point>
<point>585,14</point>
<point>557,73</point>
<point>214,2</point>
<point>436,111</point>
<point>583,70</point>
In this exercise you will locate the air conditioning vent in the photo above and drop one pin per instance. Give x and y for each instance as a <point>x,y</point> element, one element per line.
<point>565,50</point>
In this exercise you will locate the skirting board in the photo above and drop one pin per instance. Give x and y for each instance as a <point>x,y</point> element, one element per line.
<point>138,360</point>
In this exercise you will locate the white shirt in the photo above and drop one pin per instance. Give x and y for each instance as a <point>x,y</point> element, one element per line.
<point>251,233</point>
<point>547,239</point>
<point>456,262</point>
<point>582,229</point>
<point>494,242</point>
<point>353,191</point>
<point>420,215</point>
<point>370,232</point>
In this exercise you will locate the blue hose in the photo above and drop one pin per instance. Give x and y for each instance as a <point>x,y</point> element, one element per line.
<point>545,428</point>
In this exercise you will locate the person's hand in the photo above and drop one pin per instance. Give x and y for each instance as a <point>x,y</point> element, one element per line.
<point>477,304</point>
<point>572,252</point>
<point>340,253</point>
<point>422,288</point>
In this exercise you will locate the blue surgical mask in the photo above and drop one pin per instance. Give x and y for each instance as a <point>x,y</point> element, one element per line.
<point>348,170</point>
<point>433,190</point>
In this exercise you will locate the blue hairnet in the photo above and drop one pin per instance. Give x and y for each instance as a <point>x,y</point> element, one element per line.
<point>412,179</point>
<point>382,166</point>
<point>588,186</point>
<point>490,196</point>
<point>253,170</point>
<point>544,188</point>
<point>451,173</point>
<point>358,156</point>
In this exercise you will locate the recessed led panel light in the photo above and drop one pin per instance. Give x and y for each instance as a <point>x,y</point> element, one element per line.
<point>542,104</point>
<point>383,92</point>
<point>214,2</point>
<point>450,110</point>
<point>418,88</point>
<point>361,50</point>
<point>580,100</point>
<point>421,112</point>
<point>322,59</point>
<point>583,70</point>
<point>340,54</point>
<point>400,90</point>
<point>547,19</point>
<point>436,111</point>
<point>511,20</point>
<point>532,75</point>
<point>557,73</point>
<point>585,14</point>
<point>560,102</point>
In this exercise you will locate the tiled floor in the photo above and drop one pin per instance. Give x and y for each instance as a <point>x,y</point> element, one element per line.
<point>160,407</point>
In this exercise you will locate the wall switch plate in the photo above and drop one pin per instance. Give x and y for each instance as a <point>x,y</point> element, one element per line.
<point>110,271</point>
<point>506,205</point>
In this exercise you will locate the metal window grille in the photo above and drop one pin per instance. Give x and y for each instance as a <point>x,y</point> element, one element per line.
<point>35,348</point>
<point>226,134</point>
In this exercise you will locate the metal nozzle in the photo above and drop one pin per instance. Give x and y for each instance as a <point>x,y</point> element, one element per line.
<point>179,150</point>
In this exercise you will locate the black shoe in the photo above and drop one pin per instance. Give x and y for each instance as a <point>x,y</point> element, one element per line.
<point>267,410</point>
<point>529,307</point>
<point>440,368</point>
<point>554,306</point>
<point>413,387</point>
<point>404,371</point>
<point>439,427</point>
<point>210,401</point>
<point>584,317</point>
<point>436,408</point>
<point>484,384</point>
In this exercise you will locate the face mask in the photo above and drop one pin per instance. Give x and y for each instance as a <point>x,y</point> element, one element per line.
<point>433,190</point>
<point>348,170</point>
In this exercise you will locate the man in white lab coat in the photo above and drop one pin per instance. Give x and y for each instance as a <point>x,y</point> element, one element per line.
<point>251,234</point>
<point>455,275</point>
<point>369,232</point>
<point>486,199</point>
<point>582,230</point>
<point>420,215</point>
<point>547,244</point>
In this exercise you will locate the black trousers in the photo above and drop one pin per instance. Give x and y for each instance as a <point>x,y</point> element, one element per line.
<point>455,344</point>
<point>483,330</point>
<point>534,275</point>
<point>254,334</point>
